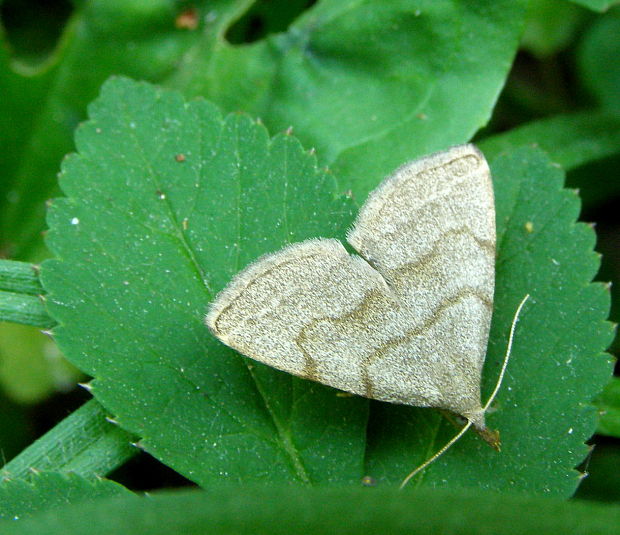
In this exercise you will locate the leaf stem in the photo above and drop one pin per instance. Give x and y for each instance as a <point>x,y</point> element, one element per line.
<point>20,277</point>
<point>85,443</point>
<point>25,309</point>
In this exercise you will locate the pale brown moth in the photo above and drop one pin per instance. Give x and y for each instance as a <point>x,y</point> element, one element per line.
<point>407,319</point>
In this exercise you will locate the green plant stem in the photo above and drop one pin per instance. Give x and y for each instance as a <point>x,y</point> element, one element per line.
<point>25,309</point>
<point>85,443</point>
<point>20,277</point>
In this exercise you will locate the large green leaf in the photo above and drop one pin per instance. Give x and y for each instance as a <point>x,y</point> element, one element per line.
<point>41,106</point>
<point>387,79</point>
<point>166,201</point>
<point>269,511</point>
<point>368,84</point>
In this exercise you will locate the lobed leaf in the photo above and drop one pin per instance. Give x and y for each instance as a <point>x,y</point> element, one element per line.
<point>167,200</point>
<point>368,83</point>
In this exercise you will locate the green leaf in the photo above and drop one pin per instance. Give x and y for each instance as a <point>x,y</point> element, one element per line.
<point>41,106</point>
<point>571,140</point>
<point>261,510</point>
<point>557,365</point>
<point>597,59</point>
<point>166,201</point>
<point>608,404</point>
<point>368,84</point>
<point>551,25</point>
<point>91,444</point>
<point>48,490</point>
<point>583,143</point>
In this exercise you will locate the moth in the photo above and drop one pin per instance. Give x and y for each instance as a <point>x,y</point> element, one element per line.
<point>406,319</point>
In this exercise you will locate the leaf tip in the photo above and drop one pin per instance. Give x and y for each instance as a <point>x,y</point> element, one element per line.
<point>48,333</point>
<point>86,386</point>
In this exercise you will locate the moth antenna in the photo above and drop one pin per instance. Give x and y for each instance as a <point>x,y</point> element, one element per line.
<point>456,437</point>
<point>507,356</point>
<point>438,454</point>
